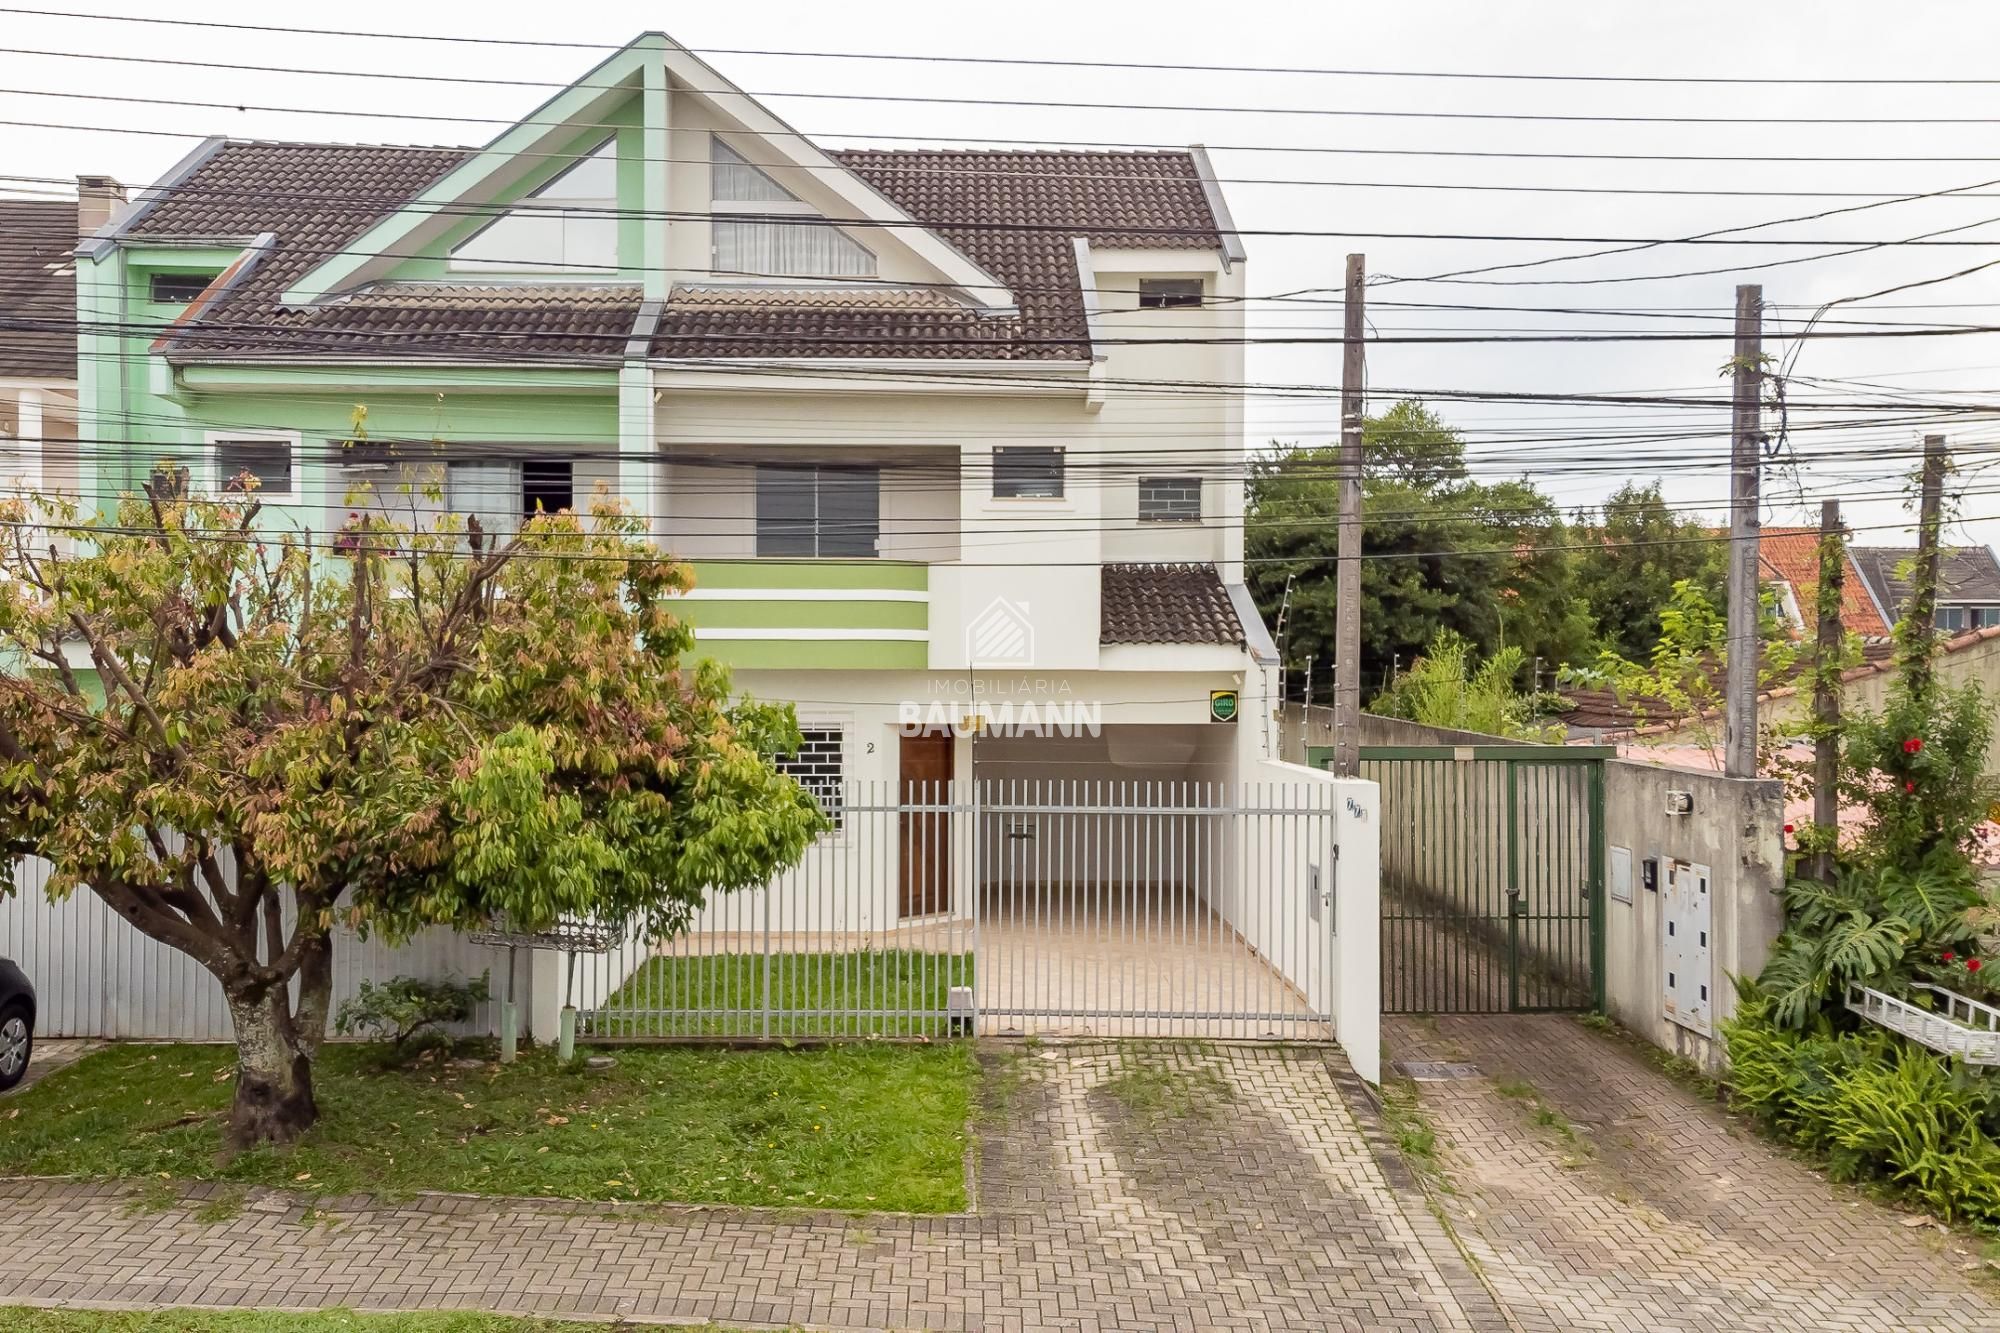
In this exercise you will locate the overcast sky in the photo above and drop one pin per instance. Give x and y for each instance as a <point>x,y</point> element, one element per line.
<point>1335,191</point>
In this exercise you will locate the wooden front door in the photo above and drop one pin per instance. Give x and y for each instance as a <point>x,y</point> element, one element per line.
<point>925,837</point>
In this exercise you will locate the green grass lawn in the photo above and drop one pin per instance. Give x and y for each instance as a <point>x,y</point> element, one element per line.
<point>663,997</point>
<point>860,1126</point>
<point>26,1319</point>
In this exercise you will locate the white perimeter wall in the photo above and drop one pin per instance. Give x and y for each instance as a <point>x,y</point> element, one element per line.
<point>96,976</point>
<point>1332,954</point>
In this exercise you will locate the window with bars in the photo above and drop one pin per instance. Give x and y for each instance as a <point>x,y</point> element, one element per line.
<point>1170,499</point>
<point>818,765</point>
<point>1027,472</point>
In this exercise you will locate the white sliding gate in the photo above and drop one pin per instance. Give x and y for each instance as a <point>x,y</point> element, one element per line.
<point>1103,908</point>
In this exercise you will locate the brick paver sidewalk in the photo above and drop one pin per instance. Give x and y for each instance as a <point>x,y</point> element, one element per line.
<point>1257,1192</point>
<point>1661,1213</point>
<point>1262,1208</point>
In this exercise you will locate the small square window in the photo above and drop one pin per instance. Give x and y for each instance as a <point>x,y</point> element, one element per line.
<point>1170,499</point>
<point>817,765</point>
<point>178,288</point>
<point>1950,618</point>
<point>1027,472</point>
<point>269,461</point>
<point>1169,293</point>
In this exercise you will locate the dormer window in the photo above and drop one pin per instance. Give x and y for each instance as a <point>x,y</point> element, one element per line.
<point>569,224</point>
<point>761,229</point>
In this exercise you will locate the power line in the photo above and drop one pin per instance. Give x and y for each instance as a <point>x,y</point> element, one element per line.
<point>1030,145</point>
<point>1068,63</point>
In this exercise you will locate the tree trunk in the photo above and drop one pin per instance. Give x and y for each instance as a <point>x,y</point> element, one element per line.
<point>274,1096</point>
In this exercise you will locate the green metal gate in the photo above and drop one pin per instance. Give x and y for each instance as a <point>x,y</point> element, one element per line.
<point>1492,876</point>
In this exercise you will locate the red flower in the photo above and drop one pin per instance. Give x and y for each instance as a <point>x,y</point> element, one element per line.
<point>1788,828</point>
<point>1950,956</point>
<point>1912,745</point>
<point>1909,786</point>
<point>1972,964</point>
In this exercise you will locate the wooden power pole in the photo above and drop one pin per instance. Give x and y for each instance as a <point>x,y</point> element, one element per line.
<point>1745,458</point>
<point>1922,610</point>
<point>1826,686</point>
<point>1347,583</point>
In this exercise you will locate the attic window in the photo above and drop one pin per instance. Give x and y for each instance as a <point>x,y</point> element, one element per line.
<point>569,223</point>
<point>1169,293</point>
<point>762,229</point>
<point>177,288</point>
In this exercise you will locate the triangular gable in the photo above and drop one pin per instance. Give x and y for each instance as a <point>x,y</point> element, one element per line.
<point>646,68</point>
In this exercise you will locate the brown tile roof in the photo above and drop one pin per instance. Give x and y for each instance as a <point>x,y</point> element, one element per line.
<point>1180,603</point>
<point>1015,214</point>
<point>37,288</point>
<point>1968,574</point>
<point>1792,555</point>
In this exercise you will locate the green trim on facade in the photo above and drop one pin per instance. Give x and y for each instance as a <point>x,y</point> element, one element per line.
<point>817,654</point>
<point>345,381</point>
<point>900,575</point>
<point>828,614</point>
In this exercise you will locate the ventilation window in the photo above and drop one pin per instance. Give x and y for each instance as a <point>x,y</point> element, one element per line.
<point>1169,293</point>
<point>1027,472</point>
<point>1170,499</point>
<point>177,288</point>
<point>818,766</point>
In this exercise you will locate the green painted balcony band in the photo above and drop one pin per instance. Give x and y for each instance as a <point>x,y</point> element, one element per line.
<point>823,614</point>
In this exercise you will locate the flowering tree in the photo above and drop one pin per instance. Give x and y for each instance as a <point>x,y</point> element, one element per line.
<point>238,746</point>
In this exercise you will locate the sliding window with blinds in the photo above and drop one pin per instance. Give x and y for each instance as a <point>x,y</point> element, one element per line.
<point>819,511</point>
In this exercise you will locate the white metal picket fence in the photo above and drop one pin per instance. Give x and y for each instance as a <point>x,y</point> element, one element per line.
<point>1113,908</point>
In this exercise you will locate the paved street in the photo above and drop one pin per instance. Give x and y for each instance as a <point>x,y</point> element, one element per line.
<point>1213,1188</point>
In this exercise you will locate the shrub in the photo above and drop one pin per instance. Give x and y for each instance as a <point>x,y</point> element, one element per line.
<point>408,1013</point>
<point>1874,1107</point>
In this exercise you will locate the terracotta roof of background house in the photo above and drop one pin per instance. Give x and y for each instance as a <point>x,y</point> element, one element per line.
<point>1015,214</point>
<point>1791,555</point>
<point>38,288</point>
<point>1965,574</point>
<point>1177,603</point>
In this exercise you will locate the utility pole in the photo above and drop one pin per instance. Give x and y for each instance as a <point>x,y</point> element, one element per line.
<point>1826,687</point>
<point>1746,451</point>
<point>1922,610</point>
<point>1347,583</point>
